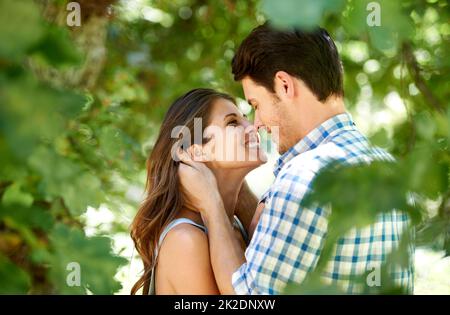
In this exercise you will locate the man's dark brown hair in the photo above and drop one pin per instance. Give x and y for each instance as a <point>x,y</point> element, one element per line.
<point>308,55</point>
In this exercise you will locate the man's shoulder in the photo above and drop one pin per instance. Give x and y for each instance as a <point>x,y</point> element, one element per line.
<point>348,147</point>
<point>357,146</point>
<point>296,176</point>
<point>310,162</point>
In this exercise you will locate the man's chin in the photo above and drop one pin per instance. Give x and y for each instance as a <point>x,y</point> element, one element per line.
<point>281,149</point>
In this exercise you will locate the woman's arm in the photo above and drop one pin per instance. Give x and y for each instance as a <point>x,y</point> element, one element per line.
<point>184,261</point>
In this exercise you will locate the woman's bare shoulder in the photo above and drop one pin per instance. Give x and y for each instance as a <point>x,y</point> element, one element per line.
<point>185,238</point>
<point>185,261</point>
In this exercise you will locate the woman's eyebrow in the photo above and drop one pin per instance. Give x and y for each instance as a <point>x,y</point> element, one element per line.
<point>230,114</point>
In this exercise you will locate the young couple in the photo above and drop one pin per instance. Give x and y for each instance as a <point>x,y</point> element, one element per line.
<point>201,231</point>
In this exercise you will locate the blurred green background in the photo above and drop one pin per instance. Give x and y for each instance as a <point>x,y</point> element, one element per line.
<point>80,107</point>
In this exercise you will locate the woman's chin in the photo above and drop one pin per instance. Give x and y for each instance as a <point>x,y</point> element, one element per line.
<point>258,156</point>
<point>248,165</point>
<point>254,163</point>
<point>248,158</point>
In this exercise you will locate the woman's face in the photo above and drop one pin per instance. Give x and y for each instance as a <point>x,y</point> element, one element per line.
<point>234,142</point>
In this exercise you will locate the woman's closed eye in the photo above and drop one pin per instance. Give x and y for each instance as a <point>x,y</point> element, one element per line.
<point>232,122</point>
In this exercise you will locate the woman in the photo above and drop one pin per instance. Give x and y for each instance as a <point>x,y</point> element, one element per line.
<point>168,233</point>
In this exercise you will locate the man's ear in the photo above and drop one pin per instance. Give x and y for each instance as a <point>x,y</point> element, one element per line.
<point>284,85</point>
<point>196,153</point>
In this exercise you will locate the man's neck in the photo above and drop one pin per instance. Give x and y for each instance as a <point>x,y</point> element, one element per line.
<point>319,113</point>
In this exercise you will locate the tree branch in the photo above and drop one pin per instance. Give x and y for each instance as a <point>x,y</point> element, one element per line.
<point>414,69</point>
<point>444,207</point>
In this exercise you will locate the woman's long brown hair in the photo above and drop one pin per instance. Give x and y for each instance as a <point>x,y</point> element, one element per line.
<point>164,198</point>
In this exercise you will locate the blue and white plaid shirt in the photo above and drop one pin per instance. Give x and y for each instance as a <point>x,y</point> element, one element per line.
<point>288,239</point>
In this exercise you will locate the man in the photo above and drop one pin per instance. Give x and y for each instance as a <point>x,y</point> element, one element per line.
<point>293,80</point>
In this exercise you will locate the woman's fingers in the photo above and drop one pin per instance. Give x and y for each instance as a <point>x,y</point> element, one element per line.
<point>185,157</point>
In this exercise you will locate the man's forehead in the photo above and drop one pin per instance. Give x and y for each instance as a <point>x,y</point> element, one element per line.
<point>249,89</point>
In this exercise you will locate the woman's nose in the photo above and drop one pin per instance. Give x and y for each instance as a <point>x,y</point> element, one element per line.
<point>249,129</point>
<point>250,132</point>
<point>246,123</point>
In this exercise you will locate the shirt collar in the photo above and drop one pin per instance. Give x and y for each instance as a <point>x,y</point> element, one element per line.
<point>315,137</point>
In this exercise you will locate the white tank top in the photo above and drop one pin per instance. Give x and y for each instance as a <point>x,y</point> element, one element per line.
<point>174,223</point>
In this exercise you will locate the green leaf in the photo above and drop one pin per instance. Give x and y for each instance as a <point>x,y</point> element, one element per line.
<point>80,189</point>
<point>15,196</point>
<point>34,111</point>
<point>57,48</point>
<point>13,280</point>
<point>53,170</point>
<point>28,217</point>
<point>371,189</point>
<point>447,243</point>
<point>357,194</point>
<point>22,27</point>
<point>313,284</point>
<point>395,24</point>
<point>425,173</point>
<point>425,125</point>
<point>380,138</point>
<point>85,190</point>
<point>93,254</point>
<point>299,13</point>
<point>110,142</point>
<point>431,231</point>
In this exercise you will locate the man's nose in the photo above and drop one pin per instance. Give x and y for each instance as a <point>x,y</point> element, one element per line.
<point>257,123</point>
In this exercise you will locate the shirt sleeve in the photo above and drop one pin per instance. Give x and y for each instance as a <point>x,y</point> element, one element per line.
<point>287,241</point>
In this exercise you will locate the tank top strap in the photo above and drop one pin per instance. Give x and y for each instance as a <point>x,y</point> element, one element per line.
<point>170,226</point>
<point>176,222</point>
<point>244,234</point>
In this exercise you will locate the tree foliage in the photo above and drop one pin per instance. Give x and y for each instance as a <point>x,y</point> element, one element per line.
<point>80,108</point>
